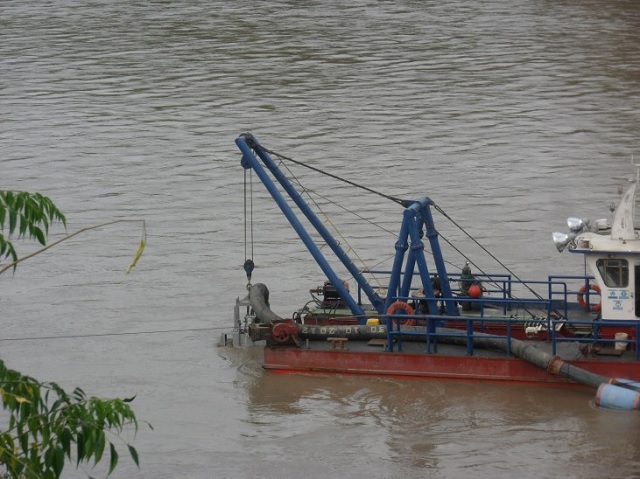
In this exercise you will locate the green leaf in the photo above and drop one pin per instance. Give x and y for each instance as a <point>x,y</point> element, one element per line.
<point>114,458</point>
<point>59,461</point>
<point>65,441</point>
<point>134,454</point>
<point>79,448</point>
<point>24,224</point>
<point>99,448</point>
<point>79,394</point>
<point>13,220</point>
<point>88,442</point>
<point>39,235</point>
<point>19,201</point>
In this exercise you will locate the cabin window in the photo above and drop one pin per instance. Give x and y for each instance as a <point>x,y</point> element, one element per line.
<point>614,272</point>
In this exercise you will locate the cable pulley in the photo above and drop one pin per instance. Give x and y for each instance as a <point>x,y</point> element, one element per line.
<point>248,268</point>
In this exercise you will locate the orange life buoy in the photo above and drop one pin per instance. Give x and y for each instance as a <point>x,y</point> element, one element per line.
<point>402,306</point>
<point>594,308</point>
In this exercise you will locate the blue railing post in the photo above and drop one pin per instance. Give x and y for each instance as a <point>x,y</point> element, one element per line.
<point>428,334</point>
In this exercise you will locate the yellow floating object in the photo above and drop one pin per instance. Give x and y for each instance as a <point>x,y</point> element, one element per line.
<point>373,322</point>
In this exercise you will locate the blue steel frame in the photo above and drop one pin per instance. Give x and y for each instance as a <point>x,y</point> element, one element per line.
<point>417,216</point>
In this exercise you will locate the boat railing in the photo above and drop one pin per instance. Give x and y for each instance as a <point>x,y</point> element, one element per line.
<point>479,315</point>
<point>505,300</point>
<point>561,288</point>
<point>431,332</point>
<point>430,327</point>
<point>596,336</point>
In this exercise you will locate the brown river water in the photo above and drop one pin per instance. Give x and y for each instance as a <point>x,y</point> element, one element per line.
<point>511,116</point>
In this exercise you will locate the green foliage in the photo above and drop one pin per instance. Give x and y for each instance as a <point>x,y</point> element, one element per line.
<point>47,427</point>
<point>28,214</point>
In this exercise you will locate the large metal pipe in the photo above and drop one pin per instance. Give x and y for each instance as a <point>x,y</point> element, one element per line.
<point>611,396</point>
<point>531,354</point>
<point>356,332</point>
<point>259,301</point>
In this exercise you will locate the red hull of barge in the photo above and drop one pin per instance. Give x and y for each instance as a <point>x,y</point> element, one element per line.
<point>434,366</point>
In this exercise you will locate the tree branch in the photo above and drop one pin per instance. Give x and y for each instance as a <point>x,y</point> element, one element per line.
<point>55,243</point>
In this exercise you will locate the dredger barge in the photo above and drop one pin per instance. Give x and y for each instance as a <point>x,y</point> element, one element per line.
<point>429,323</point>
